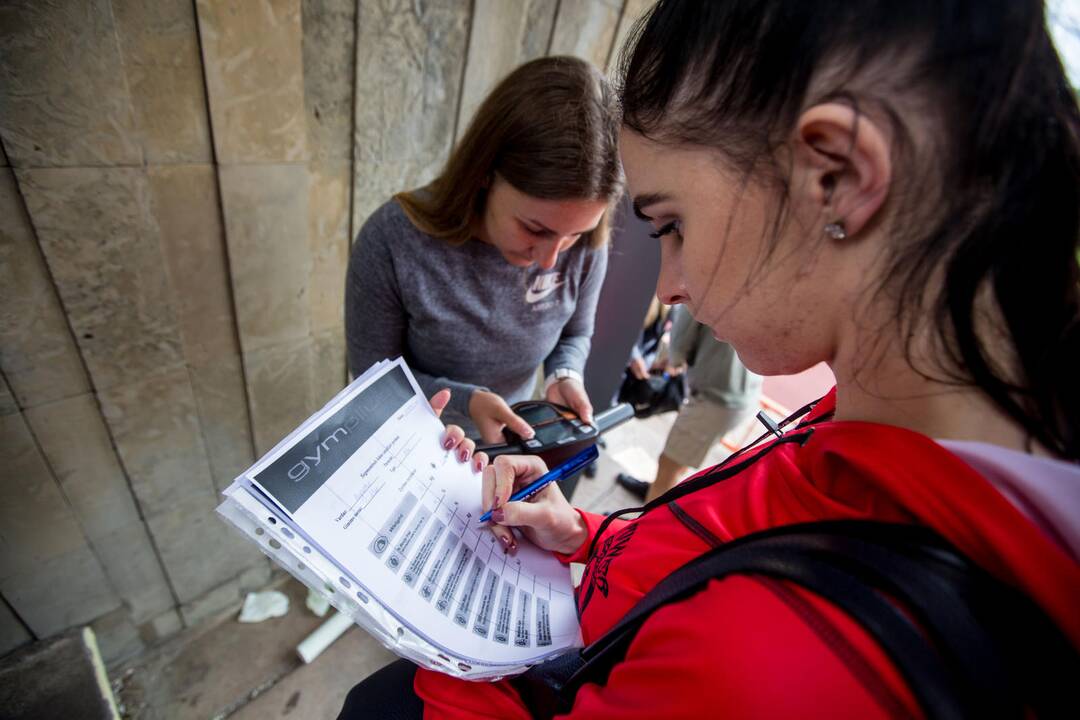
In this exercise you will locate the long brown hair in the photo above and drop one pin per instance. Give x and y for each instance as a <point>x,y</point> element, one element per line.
<point>550,129</point>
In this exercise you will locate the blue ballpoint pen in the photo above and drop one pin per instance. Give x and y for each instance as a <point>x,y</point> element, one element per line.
<point>568,468</point>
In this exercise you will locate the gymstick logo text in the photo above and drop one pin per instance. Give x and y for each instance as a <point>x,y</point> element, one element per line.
<point>301,469</point>
<point>312,459</point>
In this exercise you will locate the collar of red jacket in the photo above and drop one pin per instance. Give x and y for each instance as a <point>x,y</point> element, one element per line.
<point>946,494</point>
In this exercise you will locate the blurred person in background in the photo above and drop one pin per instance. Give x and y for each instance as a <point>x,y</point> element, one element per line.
<point>723,396</point>
<point>646,385</point>
<point>650,350</point>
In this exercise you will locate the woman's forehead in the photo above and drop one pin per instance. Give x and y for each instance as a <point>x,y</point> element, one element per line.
<point>568,216</point>
<point>657,172</point>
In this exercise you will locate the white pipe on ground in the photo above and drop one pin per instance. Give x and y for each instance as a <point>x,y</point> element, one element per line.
<point>313,645</point>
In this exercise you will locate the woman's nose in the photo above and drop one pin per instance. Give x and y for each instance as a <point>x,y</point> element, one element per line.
<point>546,255</point>
<point>669,286</point>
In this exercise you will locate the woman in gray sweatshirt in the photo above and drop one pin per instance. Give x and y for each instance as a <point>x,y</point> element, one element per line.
<point>494,268</point>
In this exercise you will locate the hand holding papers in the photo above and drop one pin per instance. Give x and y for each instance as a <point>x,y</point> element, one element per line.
<point>362,502</point>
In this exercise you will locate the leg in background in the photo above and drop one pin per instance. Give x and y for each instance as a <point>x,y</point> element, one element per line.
<point>700,424</point>
<point>668,473</point>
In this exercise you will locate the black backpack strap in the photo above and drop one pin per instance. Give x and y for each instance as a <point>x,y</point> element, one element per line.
<point>1003,653</point>
<point>784,554</point>
<point>928,608</point>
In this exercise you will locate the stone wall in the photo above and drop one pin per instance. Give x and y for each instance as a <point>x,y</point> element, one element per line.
<point>179,184</point>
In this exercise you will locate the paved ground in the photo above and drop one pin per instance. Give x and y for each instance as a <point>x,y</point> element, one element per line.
<point>227,669</point>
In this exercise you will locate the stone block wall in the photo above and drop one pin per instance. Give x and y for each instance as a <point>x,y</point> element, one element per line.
<point>179,183</point>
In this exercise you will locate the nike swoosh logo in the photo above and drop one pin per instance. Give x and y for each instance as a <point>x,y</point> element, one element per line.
<point>534,296</point>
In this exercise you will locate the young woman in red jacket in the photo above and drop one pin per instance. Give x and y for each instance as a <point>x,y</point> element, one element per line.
<point>892,188</point>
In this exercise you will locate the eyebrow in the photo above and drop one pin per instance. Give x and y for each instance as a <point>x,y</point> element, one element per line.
<point>545,228</point>
<point>644,201</point>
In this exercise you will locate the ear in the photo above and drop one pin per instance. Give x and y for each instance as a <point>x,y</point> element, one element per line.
<point>845,162</point>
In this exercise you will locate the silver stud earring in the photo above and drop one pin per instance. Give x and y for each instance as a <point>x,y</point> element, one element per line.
<point>835,230</point>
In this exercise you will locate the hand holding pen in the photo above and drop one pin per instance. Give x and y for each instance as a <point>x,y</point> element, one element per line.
<point>545,518</point>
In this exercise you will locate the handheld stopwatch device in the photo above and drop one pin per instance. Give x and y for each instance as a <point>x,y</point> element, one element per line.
<point>560,433</point>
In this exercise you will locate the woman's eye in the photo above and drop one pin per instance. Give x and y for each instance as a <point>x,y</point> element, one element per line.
<point>675,226</point>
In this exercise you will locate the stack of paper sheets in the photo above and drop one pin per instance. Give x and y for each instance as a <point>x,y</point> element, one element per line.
<point>362,503</point>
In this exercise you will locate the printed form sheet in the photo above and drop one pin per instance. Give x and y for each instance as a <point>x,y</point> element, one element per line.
<point>367,481</point>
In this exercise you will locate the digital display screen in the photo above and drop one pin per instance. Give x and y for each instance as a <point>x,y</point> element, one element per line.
<point>549,434</point>
<point>535,414</point>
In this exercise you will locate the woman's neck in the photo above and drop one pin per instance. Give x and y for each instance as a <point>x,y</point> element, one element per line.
<point>890,391</point>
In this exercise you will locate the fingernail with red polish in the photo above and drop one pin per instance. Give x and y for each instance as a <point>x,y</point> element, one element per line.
<point>479,465</point>
<point>498,515</point>
<point>448,443</point>
<point>463,455</point>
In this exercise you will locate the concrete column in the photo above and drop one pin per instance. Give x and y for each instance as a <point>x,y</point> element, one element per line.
<point>633,10</point>
<point>586,28</point>
<point>505,34</point>
<point>408,80</point>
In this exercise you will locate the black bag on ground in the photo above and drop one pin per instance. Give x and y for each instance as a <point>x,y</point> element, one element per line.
<point>977,647</point>
<point>659,393</point>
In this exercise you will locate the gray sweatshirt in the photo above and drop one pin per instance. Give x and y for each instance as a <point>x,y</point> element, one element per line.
<point>462,317</point>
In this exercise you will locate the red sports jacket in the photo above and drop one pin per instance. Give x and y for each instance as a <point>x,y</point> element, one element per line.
<point>756,647</point>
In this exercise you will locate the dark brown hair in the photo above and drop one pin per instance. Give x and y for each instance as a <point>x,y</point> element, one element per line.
<point>550,129</point>
<point>996,206</point>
